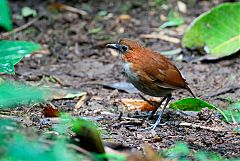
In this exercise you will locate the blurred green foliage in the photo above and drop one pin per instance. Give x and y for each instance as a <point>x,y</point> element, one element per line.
<point>181,152</point>
<point>5,16</point>
<point>14,94</point>
<point>173,19</point>
<point>11,52</point>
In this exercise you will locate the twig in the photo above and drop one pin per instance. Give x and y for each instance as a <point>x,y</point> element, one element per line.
<point>20,28</point>
<point>80,102</point>
<point>161,37</point>
<point>59,81</point>
<point>223,91</point>
<point>75,10</point>
<point>128,118</point>
<point>135,123</point>
<point>201,127</point>
<point>8,117</point>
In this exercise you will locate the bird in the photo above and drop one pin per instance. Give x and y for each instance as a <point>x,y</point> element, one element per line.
<point>150,72</point>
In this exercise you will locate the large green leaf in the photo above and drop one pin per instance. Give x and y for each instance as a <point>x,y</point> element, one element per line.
<point>191,104</point>
<point>11,52</point>
<point>20,146</point>
<point>216,31</point>
<point>13,94</point>
<point>195,104</point>
<point>5,18</point>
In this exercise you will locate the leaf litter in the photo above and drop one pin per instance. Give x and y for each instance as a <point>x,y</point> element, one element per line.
<point>104,67</point>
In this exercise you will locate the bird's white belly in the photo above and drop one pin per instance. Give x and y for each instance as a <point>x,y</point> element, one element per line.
<point>132,76</point>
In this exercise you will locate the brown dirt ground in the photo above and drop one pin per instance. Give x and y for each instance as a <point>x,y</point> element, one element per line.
<point>76,57</point>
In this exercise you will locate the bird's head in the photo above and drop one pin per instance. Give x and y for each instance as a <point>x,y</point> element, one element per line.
<point>125,46</point>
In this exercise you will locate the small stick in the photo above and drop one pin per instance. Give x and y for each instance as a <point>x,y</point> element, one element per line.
<point>201,127</point>
<point>80,102</point>
<point>75,10</point>
<point>223,91</point>
<point>135,123</point>
<point>161,37</point>
<point>8,117</point>
<point>20,28</point>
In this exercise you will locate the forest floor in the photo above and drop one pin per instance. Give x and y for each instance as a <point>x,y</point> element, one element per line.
<point>74,56</point>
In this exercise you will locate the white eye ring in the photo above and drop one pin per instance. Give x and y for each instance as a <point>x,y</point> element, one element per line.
<point>124,48</point>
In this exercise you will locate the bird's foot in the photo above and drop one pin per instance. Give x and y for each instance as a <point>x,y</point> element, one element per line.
<point>150,115</point>
<point>153,127</point>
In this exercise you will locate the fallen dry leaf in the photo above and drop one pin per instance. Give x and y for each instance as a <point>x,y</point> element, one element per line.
<point>80,102</point>
<point>61,6</point>
<point>58,94</point>
<point>136,104</point>
<point>150,155</point>
<point>182,6</point>
<point>124,17</point>
<point>50,111</point>
<point>56,6</point>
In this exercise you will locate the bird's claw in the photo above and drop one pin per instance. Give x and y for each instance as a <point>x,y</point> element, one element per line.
<point>153,126</point>
<point>150,116</point>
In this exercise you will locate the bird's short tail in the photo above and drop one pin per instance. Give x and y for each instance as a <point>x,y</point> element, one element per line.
<point>190,91</point>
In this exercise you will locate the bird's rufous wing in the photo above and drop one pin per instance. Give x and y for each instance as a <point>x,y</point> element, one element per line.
<point>165,74</point>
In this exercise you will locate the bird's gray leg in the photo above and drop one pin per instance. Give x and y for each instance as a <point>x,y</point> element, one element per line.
<point>161,114</point>
<point>150,116</point>
<point>154,111</point>
<point>146,99</point>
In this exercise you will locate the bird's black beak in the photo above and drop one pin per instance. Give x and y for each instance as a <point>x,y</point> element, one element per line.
<point>115,46</point>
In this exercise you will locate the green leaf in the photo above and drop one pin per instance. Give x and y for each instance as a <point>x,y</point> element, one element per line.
<point>27,11</point>
<point>11,52</point>
<point>216,31</point>
<point>88,135</point>
<point>232,113</point>
<point>7,68</point>
<point>95,30</point>
<point>17,146</point>
<point>110,157</point>
<point>13,94</point>
<point>195,104</point>
<point>102,13</point>
<point>64,123</point>
<point>5,17</point>
<point>191,104</point>
<point>66,93</point>
<point>203,156</point>
<point>237,130</point>
<point>174,19</point>
<point>179,151</point>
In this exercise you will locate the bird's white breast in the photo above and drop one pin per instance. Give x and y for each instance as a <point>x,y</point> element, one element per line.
<point>132,76</point>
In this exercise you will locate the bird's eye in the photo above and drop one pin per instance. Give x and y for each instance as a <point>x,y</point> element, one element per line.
<point>124,48</point>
